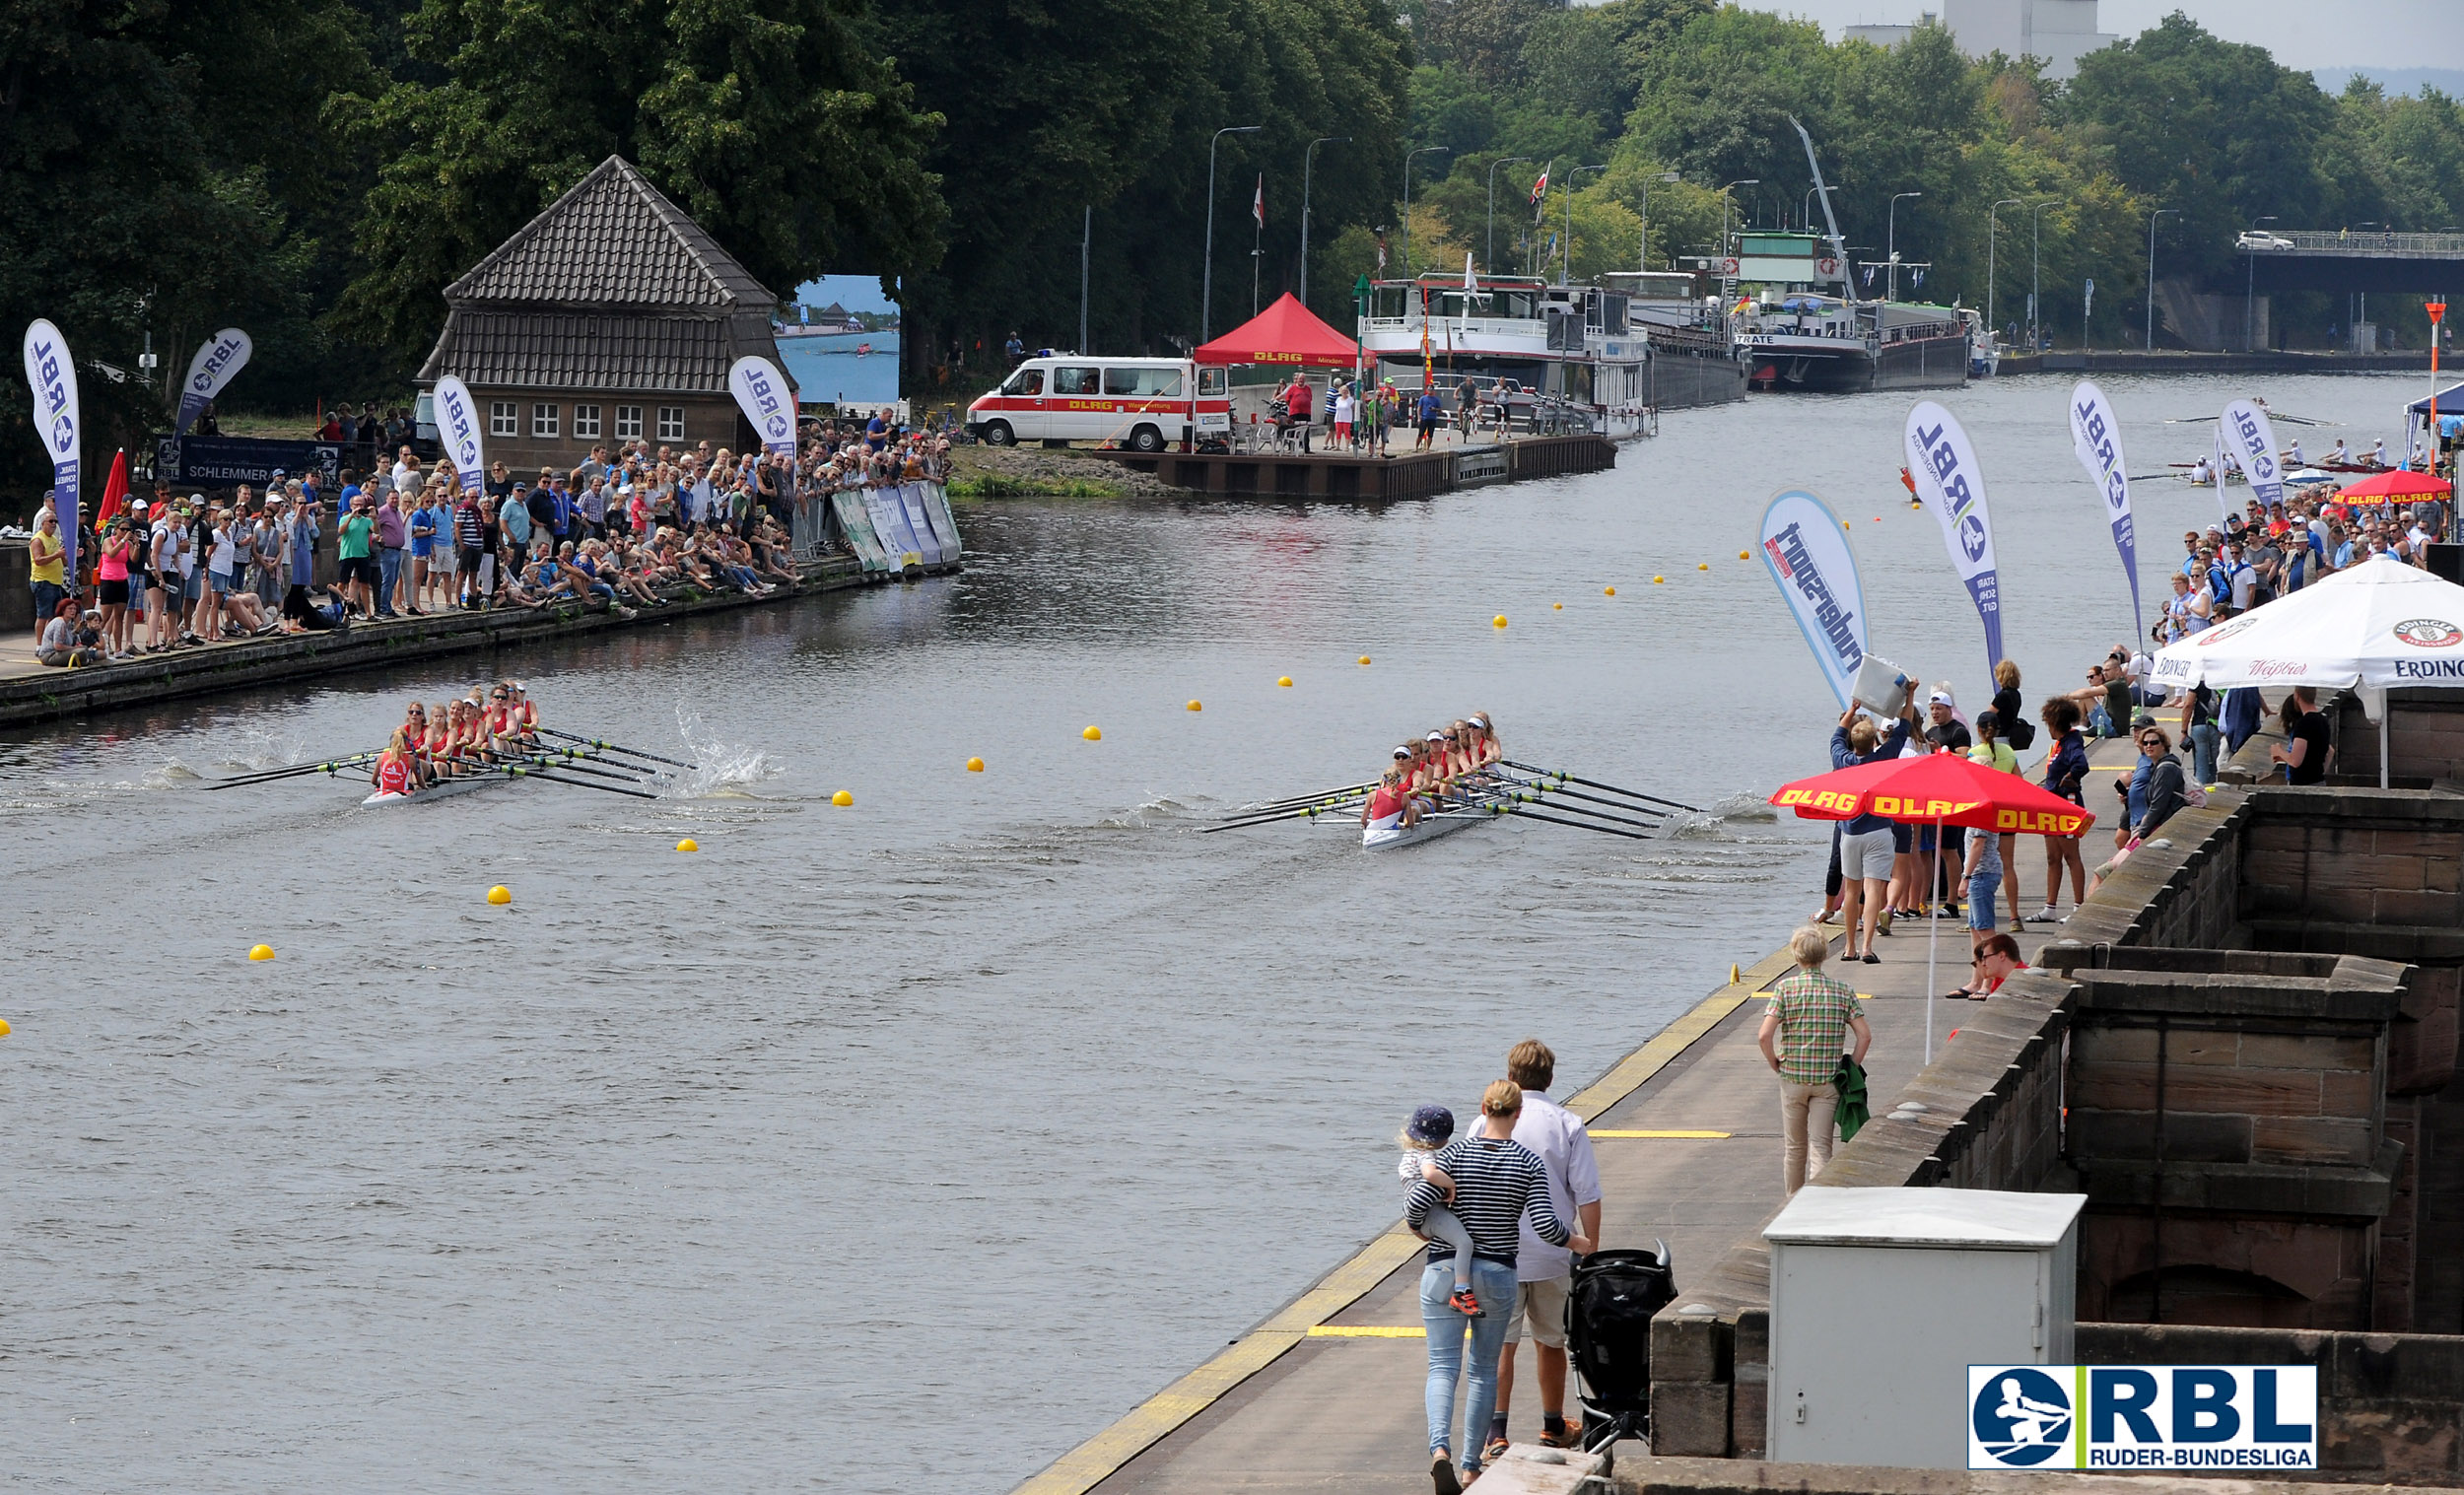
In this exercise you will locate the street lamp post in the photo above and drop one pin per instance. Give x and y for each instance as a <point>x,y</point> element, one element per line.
<point>1807,205</point>
<point>2036,261</point>
<point>1890,244</point>
<point>2149,345</point>
<point>2250,292</point>
<point>1728,205</point>
<point>1206,278</point>
<point>1307,159</point>
<point>1407,155</point>
<point>1989,260</point>
<point>1488,261</point>
<point>1642,256</point>
<point>1565,266</point>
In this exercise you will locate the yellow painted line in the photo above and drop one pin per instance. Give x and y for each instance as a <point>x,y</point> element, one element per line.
<point>1671,1134</point>
<point>1367,1332</point>
<point>1100,1457</point>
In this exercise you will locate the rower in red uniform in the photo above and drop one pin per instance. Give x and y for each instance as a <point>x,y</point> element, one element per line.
<point>1388,807</point>
<point>393,767</point>
<point>1441,769</point>
<point>525,710</point>
<point>1488,751</point>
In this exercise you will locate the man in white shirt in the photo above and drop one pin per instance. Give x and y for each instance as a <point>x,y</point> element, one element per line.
<point>1544,1274</point>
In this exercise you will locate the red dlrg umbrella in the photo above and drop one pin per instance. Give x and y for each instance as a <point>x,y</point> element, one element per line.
<point>2399,484</point>
<point>1938,789</point>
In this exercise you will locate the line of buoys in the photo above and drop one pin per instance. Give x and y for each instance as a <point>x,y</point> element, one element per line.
<point>843,800</point>
<point>975,764</point>
<point>1093,735</point>
<point>260,952</point>
<point>688,845</point>
<point>499,895</point>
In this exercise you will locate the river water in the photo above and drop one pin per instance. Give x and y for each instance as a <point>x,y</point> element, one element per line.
<point>899,1147</point>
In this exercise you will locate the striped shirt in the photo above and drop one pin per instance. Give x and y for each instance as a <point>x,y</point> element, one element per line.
<point>1495,1181</point>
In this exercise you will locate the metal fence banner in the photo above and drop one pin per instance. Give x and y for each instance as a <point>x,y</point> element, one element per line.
<point>858,522</point>
<point>927,543</point>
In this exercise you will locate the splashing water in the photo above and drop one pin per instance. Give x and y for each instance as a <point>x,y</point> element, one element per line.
<point>727,769</point>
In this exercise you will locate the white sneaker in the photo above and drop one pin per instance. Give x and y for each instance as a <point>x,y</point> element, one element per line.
<point>2046,916</point>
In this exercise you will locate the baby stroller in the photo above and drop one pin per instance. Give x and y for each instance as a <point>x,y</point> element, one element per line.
<point>1609,1317</point>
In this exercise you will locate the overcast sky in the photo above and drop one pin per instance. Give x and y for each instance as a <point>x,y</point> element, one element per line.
<point>2302,33</point>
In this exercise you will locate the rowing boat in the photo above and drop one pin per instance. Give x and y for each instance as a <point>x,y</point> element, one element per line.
<point>1429,827</point>
<point>443,788</point>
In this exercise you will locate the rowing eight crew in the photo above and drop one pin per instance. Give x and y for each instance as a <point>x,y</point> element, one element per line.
<point>1427,773</point>
<point>458,738</point>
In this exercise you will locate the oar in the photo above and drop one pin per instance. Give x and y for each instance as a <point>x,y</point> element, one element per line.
<point>559,763</point>
<point>1577,824</point>
<point>1551,786</point>
<point>613,748</point>
<point>292,772</point>
<point>518,771</point>
<point>550,750</point>
<point>1566,777</point>
<point>1295,801</point>
<point>1574,809</point>
<point>1307,811</point>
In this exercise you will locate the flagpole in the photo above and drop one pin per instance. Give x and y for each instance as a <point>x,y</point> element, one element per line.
<point>1933,934</point>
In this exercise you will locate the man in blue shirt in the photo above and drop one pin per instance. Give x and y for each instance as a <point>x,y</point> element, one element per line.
<point>1428,411</point>
<point>516,520</point>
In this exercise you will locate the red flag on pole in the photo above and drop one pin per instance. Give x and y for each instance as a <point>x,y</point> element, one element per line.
<point>1258,207</point>
<point>114,490</point>
<point>1539,188</point>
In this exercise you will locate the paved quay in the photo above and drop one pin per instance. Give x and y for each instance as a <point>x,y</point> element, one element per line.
<point>1326,1392</point>
<point>33,692</point>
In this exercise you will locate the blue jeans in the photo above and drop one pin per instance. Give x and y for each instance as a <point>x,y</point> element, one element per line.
<point>47,595</point>
<point>388,571</point>
<point>1494,1285</point>
<point>2203,752</point>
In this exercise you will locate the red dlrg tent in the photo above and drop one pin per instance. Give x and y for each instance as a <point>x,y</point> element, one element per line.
<point>2398,484</point>
<point>1287,332</point>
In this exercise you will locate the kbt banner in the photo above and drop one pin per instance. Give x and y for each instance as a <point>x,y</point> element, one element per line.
<point>762,394</point>
<point>1806,547</point>
<point>53,378</point>
<point>224,354</point>
<point>2252,443</point>
<point>2085,1417</point>
<point>1950,483</point>
<point>2097,438</point>
<point>457,430</point>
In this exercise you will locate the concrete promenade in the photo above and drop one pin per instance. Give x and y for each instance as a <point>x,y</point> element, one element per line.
<point>1327,1393</point>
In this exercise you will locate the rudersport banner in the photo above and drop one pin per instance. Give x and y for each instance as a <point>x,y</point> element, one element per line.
<point>224,354</point>
<point>1805,548</point>
<point>2097,438</point>
<point>1950,483</point>
<point>2253,443</point>
<point>53,380</point>
<point>762,393</point>
<point>457,429</point>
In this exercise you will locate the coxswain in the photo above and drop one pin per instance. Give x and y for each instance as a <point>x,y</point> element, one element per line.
<point>393,767</point>
<point>1388,807</point>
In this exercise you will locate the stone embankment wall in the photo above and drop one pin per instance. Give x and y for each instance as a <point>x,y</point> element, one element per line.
<point>2254,1027</point>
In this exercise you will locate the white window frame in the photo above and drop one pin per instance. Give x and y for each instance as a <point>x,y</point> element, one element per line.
<point>671,423</point>
<point>504,418</point>
<point>628,423</point>
<point>544,420</point>
<point>586,423</point>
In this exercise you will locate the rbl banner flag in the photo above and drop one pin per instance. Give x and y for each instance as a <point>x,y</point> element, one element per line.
<point>457,426</point>
<point>2097,439</point>
<point>222,358</point>
<point>1943,466</point>
<point>53,380</point>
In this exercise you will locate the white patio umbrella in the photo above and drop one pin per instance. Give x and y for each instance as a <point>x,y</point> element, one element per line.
<point>2371,626</point>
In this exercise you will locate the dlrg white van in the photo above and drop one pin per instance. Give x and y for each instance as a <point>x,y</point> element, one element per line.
<point>1143,403</point>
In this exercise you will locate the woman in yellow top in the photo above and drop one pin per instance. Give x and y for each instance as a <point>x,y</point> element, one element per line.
<point>1991,751</point>
<point>50,575</point>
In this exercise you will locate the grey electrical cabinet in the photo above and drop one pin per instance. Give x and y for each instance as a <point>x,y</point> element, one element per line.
<point>1883,1298</point>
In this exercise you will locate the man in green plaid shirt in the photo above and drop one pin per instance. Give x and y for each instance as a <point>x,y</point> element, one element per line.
<point>1811,1016</point>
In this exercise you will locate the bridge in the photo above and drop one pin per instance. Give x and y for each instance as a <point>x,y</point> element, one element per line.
<point>2344,260</point>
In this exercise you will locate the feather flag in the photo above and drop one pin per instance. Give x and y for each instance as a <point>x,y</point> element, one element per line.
<point>1539,190</point>
<point>114,489</point>
<point>1257,207</point>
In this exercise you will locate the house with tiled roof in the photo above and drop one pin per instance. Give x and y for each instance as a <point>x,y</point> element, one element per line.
<point>610,317</point>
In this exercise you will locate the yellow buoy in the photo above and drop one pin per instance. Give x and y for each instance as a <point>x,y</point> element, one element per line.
<point>499,895</point>
<point>1745,555</point>
<point>975,764</point>
<point>1283,680</point>
<point>1844,526</point>
<point>1093,735</point>
<point>1364,658</point>
<point>843,800</point>
<point>1556,607</point>
<point>4,1027</point>
<point>1658,580</point>
<point>1702,565</point>
<point>1497,622</point>
<point>1607,591</point>
<point>688,845</point>
<point>260,952</point>
<point>1196,706</point>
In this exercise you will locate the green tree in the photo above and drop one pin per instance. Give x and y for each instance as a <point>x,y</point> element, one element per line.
<point>773,125</point>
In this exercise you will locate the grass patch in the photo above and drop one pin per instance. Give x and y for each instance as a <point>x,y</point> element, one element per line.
<point>994,485</point>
